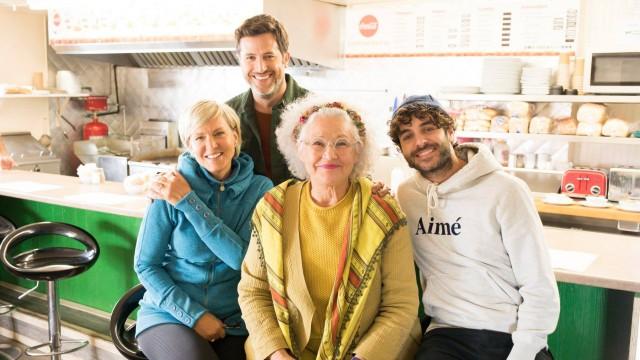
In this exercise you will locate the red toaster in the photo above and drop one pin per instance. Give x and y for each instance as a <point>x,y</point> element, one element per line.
<point>584,182</point>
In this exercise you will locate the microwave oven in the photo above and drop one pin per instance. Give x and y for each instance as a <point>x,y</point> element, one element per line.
<point>612,72</point>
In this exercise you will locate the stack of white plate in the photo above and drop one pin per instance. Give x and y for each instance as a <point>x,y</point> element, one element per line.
<point>460,89</point>
<point>535,80</point>
<point>501,75</point>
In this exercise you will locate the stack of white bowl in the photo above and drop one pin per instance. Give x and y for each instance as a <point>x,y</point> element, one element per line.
<point>501,76</point>
<point>535,80</point>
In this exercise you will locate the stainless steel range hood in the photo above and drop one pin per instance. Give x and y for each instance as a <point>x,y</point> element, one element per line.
<point>172,59</point>
<point>315,35</point>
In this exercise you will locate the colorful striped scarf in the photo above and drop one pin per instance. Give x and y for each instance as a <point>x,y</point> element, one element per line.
<point>373,221</point>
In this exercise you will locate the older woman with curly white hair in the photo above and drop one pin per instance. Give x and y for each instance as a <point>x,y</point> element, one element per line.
<point>328,273</point>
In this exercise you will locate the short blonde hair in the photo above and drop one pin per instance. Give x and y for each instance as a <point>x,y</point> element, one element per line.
<point>307,110</point>
<point>201,112</point>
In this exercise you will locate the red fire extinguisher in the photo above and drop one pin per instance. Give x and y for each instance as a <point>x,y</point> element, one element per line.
<point>95,128</point>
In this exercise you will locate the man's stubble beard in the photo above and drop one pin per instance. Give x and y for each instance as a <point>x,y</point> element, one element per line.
<point>445,161</point>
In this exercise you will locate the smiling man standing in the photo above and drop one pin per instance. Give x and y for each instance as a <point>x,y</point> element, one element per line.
<point>478,242</point>
<point>262,44</point>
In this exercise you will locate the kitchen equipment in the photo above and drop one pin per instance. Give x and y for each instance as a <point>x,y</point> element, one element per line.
<point>612,71</point>
<point>582,182</point>
<point>68,82</point>
<point>624,183</point>
<point>115,167</point>
<point>29,154</point>
<point>577,80</point>
<point>162,160</point>
<point>563,73</point>
<point>153,166</point>
<point>95,128</point>
<point>163,127</point>
<point>202,36</point>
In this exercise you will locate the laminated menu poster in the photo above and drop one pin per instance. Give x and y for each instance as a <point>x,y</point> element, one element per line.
<point>118,21</point>
<point>461,27</point>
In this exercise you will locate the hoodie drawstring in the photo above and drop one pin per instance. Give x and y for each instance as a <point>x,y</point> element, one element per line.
<point>432,196</point>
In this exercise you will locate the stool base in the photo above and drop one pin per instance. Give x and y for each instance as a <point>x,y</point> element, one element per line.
<point>32,351</point>
<point>5,355</point>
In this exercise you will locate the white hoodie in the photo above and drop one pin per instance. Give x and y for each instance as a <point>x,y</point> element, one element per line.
<point>479,246</point>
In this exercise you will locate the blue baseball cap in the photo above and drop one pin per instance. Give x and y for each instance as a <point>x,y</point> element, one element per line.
<point>427,100</point>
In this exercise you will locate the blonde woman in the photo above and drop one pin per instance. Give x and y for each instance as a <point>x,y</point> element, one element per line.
<point>192,242</point>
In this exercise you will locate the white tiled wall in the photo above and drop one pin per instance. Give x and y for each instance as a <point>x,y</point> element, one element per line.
<point>370,84</point>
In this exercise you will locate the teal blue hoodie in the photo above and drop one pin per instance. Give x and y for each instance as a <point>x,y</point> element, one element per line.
<point>188,257</point>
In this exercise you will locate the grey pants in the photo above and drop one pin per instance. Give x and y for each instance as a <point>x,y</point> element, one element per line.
<point>173,341</point>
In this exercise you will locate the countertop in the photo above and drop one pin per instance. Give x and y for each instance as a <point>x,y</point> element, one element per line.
<point>610,213</point>
<point>108,197</point>
<point>616,265</point>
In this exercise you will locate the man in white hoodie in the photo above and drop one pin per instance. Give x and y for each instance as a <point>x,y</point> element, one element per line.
<point>478,242</point>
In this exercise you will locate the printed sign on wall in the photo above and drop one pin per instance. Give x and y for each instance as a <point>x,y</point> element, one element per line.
<point>146,21</point>
<point>461,27</point>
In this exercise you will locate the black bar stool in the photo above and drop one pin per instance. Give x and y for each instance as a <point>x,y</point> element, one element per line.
<point>6,226</point>
<point>8,351</point>
<point>123,337</point>
<point>50,264</point>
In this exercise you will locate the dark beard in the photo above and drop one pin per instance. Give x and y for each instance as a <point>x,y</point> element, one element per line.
<point>445,161</point>
<point>276,87</point>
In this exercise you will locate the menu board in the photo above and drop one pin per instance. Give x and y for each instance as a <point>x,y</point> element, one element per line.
<point>461,27</point>
<point>147,21</point>
<point>632,26</point>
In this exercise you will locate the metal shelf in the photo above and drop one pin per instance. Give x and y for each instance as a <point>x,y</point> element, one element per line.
<point>620,99</point>
<point>36,96</point>
<point>549,137</point>
<point>535,171</point>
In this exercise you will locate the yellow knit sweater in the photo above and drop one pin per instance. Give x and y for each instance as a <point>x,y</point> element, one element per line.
<point>320,258</point>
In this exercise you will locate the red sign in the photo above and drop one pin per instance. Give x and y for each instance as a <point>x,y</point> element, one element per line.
<point>368,26</point>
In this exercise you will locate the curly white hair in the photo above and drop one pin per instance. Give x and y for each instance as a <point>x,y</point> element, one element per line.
<point>291,131</point>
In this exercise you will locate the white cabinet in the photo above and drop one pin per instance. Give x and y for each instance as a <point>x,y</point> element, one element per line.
<point>23,45</point>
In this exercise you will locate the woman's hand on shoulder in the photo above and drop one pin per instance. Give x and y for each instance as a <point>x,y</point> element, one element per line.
<point>209,327</point>
<point>281,354</point>
<point>170,186</point>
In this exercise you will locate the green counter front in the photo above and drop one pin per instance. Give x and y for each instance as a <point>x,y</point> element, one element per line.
<point>103,284</point>
<point>595,324</point>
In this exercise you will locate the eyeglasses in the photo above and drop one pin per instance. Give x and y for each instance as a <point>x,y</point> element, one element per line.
<point>320,145</point>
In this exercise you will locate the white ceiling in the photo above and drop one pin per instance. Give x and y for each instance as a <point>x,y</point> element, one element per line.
<point>23,3</point>
<point>353,2</point>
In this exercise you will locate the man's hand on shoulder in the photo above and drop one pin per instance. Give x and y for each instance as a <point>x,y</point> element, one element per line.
<point>380,189</point>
